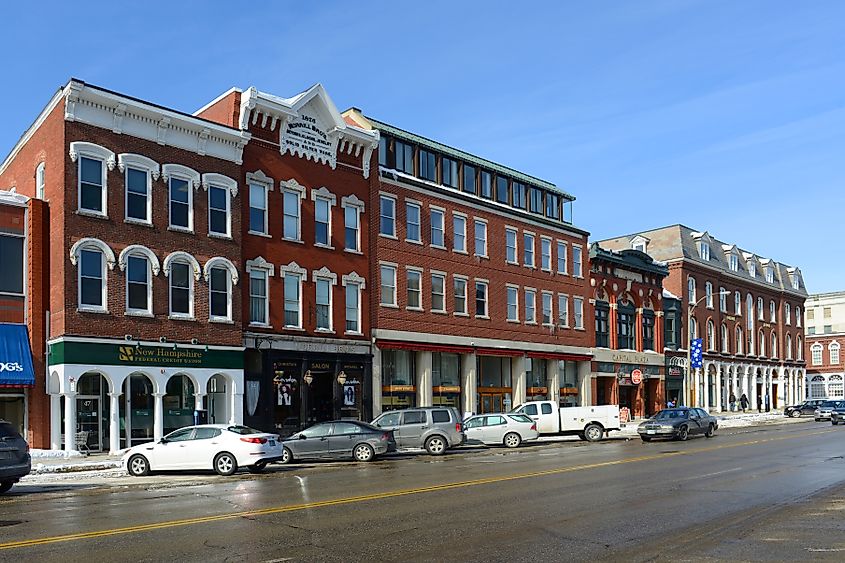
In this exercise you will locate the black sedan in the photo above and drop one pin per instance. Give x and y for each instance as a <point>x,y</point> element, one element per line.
<point>679,423</point>
<point>804,409</point>
<point>14,456</point>
<point>837,416</point>
<point>338,439</point>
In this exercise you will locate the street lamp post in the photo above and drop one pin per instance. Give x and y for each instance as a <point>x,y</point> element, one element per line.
<point>688,380</point>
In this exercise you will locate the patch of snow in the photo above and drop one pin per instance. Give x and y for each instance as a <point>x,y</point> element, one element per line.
<point>54,454</point>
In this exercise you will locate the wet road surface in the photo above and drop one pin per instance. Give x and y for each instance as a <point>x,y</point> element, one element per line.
<point>768,493</point>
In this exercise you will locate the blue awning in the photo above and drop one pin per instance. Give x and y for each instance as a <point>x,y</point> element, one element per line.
<point>15,357</point>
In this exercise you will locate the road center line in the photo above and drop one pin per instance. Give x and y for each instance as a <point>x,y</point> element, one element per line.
<point>378,496</point>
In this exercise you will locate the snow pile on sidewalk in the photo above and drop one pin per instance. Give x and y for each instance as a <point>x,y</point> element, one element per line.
<point>750,419</point>
<point>54,454</point>
<point>41,468</point>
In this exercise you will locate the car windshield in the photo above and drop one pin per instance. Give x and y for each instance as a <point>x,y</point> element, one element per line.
<point>670,414</point>
<point>243,430</point>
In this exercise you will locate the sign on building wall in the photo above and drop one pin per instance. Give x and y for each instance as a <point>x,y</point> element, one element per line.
<point>94,353</point>
<point>308,136</point>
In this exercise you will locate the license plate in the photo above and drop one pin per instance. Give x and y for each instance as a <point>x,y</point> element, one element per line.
<point>272,442</point>
<point>651,431</point>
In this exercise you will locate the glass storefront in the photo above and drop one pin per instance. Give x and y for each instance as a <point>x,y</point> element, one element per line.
<point>139,402</point>
<point>569,384</point>
<point>494,384</point>
<point>178,403</point>
<point>446,379</point>
<point>398,379</point>
<point>535,377</point>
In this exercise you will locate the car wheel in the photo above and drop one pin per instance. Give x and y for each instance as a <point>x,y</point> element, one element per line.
<point>258,467</point>
<point>5,486</point>
<point>795,414</point>
<point>225,464</point>
<point>710,431</point>
<point>593,432</point>
<point>646,438</point>
<point>512,440</point>
<point>363,452</point>
<point>683,433</point>
<point>138,466</point>
<point>436,445</point>
<point>287,456</point>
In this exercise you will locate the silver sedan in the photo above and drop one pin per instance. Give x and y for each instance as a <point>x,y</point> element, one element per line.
<point>500,428</point>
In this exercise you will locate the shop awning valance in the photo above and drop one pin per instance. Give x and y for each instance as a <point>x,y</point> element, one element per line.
<point>15,357</point>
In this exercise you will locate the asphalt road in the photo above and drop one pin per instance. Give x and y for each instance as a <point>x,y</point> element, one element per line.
<point>760,494</point>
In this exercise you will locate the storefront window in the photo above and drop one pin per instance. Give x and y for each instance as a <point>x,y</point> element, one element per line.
<point>446,379</point>
<point>399,388</point>
<point>495,372</point>
<point>178,403</point>
<point>569,388</point>
<point>13,410</point>
<point>535,376</point>
<point>139,423</point>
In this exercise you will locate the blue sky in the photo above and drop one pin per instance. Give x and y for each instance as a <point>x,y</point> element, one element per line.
<point>722,115</point>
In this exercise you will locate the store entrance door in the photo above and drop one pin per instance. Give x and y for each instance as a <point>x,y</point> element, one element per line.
<point>320,398</point>
<point>491,402</point>
<point>88,420</point>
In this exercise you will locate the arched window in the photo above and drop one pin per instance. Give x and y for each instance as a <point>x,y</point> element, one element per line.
<point>760,314</point>
<point>711,335</point>
<point>772,311</point>
<point>788,346</point>
<point>723,300</point>
<point>739,341</point>
<point>93,259</point>
<point>737,303</point>
<point>708,292</point>
<point>787,314</point>
<point>140,265</point>
<point>182,270</point>
<point>799,347</point>
<point>816,354</point>
<point>691,289</point>
<point>798,317</point>
<point>818,388</point>
<point>220,274</point>
<point>724,338</point>
<point>93,163</point>
<point>833,348</point>
<point>761,338</point>
<point>693,328</point>
<point>835,388</point>
<point>774,350</point>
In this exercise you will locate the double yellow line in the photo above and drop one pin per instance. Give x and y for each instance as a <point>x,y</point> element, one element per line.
<point>375,496</point>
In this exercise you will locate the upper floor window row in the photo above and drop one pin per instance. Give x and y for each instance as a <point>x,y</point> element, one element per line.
<point>470,178</point>
<point>139,175</point>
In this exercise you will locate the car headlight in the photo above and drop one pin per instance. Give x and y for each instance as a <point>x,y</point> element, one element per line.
<point>666,427</point>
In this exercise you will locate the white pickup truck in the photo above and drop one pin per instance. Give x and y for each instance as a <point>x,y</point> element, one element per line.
<point>589,423</point>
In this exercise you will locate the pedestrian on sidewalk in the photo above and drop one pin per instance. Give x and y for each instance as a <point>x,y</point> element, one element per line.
<point>759,403</point>
<point>670,404</point>
<point>733,401</point>
<point>743,402</point>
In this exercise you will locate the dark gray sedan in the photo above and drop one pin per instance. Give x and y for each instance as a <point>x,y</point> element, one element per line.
<point>338,439</point>
<point>680,423</point>
<point>15,461</point>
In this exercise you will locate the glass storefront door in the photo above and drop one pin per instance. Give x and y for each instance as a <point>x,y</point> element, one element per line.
<point>88,420</point>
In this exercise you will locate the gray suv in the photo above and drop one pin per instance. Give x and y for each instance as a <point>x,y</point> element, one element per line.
<point>434,428</point>
<point>14,456</point>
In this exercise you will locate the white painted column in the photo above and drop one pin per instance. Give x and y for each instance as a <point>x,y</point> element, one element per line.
<point>376,381</point>
<point>753,396</point>
<point>469,384</point>
<point>55,421</point>
<point>114,423</point>
<point>585,383</point>
<point>705,387</point>
<point>70,421</point>
<point>720,384</point>
<point>769,389</point>
<point>424,379</point>
<point>236,410</point>
<point>518,380</point>
<point>553,381</point>
<point>158,416</point>
<point>802,380</point>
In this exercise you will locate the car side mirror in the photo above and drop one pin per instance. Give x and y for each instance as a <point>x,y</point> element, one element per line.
<point>301,437</point>
<point>163,441</point>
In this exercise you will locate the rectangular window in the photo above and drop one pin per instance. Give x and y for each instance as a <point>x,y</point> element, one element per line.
<point>258,297</point>
<point>535,200</point>
<point>480,238</point>
<point>412,222</point>
<point>510,246</point>
<point>518,195</point>
<point>530,306</point>
<point>460,287</point>
<point>450,172</point>
<point>648,331</point>
<point>486,184</point>
<point>546,254</point>
<point>501,189</point>
<point>353,308</point>
<point>414,289</point>
<point>428,165</point>
<point>39,181</point>
<point>91,189</point>
<point>563,310</point>
<point>578,306</point>
<point>737,303</point>
<point>382,151</point>
<point>137,195</point>
<point>528,250</point>
<point>293,301</point>
<point>322,220</point>
<point>387,223</point>
<point>137,284</point>
<point>218,210</point>
<point>625,329</point>
<point>438,293</point>
<point>388,285</point>
<point>404,157</point>
<point>547,308</point>
<point>324,304</point>
<point>723,300</point>
<point>180,203</point>
<point>816,353</point>
<point>602,326</point>
<point>438,217</point>
<point>480,299</point>
<point>561,257</point>
<point>258,208</point>
<point>11,274</point>
<point>291,215</point>
<point>351,223</point>
<point>180,289</point>
<point>218,287</point>
<point>459,226</point>
<point>576,262</point>
<point>787,314</point>
<point>469,179</point>
<point>552,206</point>
<point>513,303</point>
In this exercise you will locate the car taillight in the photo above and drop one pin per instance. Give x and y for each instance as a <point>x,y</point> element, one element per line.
<point>254,440</point>
<point>385,437</point>
<point>459,427</point>
<point>534,426</point>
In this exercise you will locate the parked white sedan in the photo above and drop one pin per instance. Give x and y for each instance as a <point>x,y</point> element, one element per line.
<point>221,447</point>
<point>510,429</point>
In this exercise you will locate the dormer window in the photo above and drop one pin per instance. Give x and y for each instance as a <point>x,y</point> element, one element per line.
<point>640,243</point>
<point>796,282</point>
<point>770,274</point>
<point>704,251</point>
<point>640,246</point>
<point>733,262</point>
<point>752,269</point>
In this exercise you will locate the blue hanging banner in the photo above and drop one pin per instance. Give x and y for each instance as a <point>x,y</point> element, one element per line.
<point>15,357</point>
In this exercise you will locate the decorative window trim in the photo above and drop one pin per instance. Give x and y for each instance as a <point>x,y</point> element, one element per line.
<point>220,180</point>
<point>259,177</point>
<point>220,262</point>
<point>138,249</point>
<point>107,158</point>
<point>108,264</point>
<point>231,189</point>
<point>81,148</point>
<point>294,187</point>
<point>324,274</point>
<point>353,201</point>
<point>353,278</point>
<point>178,171</point>
<point>181,171</point>
<point>180,256</point>
<point>324,194</point>
<point>90,242</point>
<point>293,268</point>
<point>268,270</point>
<point>138,161</point>
<point>261,264</point>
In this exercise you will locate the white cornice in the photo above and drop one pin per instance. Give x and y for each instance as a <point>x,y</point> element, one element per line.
<point>11,197</point>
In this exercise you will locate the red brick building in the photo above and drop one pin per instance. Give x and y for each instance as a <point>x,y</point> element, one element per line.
<point>306,240</point>
<point>628,361</point>
<point>746,309</point>
<point>483,297</point>
<point>824,322</point>
<point>136,233</point>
